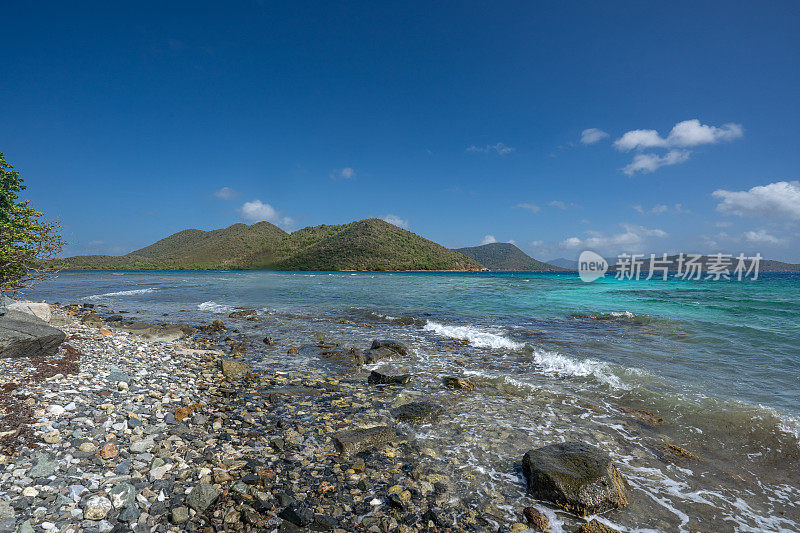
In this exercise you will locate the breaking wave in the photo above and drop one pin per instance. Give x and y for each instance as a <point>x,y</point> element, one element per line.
<point>480,338</point>
<point>213,307</point>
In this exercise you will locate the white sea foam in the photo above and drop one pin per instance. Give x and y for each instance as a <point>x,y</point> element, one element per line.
<point>562,365</point>
<point>477,337</point>
<point>214,307</point>
<point>626,314</point>
<point>120,293</point>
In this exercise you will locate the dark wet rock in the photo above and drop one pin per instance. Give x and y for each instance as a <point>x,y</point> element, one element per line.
<point>356,441</point>
<point>292,351</point>
<point>233,369</point>
<point>202,496</point>
<point>578,477</point>
<point>92,320</point>
<point>298,514</point>
<point>595,526</point>
<point>376,378</point>
<point>394,346</point>
<point>346,357</point>
<point>24,335</point>
<point>243,313</point>
<point>216,326</point>
<point>418,412</point>
<point>110,319</point>
<point>459,383</point>
<point>536,519</point>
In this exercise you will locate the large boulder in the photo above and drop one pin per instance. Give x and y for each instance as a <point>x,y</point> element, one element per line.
<point>377,378</point>
<point>37,309</point>
<point>578,477</point>
<point>22,334</point>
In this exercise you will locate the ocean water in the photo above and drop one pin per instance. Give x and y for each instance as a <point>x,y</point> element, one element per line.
<point>637,368</point>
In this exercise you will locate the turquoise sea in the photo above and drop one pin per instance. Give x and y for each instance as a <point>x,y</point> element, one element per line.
<point>643,369</point>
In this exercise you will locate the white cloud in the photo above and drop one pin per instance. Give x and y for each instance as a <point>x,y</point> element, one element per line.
<point>397,221</point>
<point>631,239</point>
<point>592,135</point>
<point>226,193</point>
<point>561,205</point>
<point>775,200</point>
<point>683,135</point>
<point>651,162</point>
<point>346,173</point>
<point>489,239</point>
<point>499,148</point>
<point>536,244</point>
<point>660,209</point>
<point>530,207</point>
<point>761,237</point>
<point>257,211</point>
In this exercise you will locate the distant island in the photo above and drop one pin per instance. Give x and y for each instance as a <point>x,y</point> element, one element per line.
<point>505,256</point>
<point>370,244</point>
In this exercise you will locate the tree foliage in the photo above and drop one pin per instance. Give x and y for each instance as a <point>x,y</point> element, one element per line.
<point>27,240</point>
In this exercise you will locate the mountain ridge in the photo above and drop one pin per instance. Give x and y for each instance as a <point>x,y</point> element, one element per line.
<point>370,244</point>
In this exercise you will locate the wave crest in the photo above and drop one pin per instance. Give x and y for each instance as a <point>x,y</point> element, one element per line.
<point>120,293</point>
<point>480,338</point>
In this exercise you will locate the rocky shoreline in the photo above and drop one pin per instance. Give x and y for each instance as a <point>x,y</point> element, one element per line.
<point>145,427</point>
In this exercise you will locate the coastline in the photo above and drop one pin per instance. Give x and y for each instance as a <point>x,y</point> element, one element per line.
<point>119,433</point>
<point>311,380</point>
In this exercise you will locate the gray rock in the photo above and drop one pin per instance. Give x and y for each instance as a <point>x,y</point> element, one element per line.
<point>578,477</point>
<point>418,412</point>
<point>6,511</point>
<point>243,313</point>
<point>154,332</point>
<point>129,514</point>
<point>45,466</point>
<point>26,527</point>
<point>122,495</point>
<point>202,496</point>
<point>142,446</point>
<point>124,468</point>
<point>23,335</point>
<point>358,440</point>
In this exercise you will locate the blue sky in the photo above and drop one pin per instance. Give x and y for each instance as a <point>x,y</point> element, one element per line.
<point>463,121</point>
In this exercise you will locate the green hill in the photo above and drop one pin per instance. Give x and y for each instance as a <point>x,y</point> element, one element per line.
<point>504,256</point>
<point>370,244</point>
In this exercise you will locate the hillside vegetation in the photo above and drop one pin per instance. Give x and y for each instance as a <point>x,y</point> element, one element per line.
<point>370,244</point>
<point>505,256</point>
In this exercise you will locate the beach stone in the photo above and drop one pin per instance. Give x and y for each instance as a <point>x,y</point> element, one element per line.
<point>243,313</point>
<point>24,335</point>
<point>25,527</point>
<point>376,378</point>
<point>234,369</point>
<point>45,466</point>
<point>180,515</point>
<point>578,477</point>
<point>52,437</point>
<point>109,451</point>
<point>96,508</point>
<point>202,496</point>
<point>142,446</point>
<point>418,412</point>
<point>595,526</point>
<point>536,519</point>
<point>459,383</point>
<point>122,495</point>
<point>355,441</point>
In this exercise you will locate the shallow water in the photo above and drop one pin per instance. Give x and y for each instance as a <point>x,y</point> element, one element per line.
<point>631,366</point>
